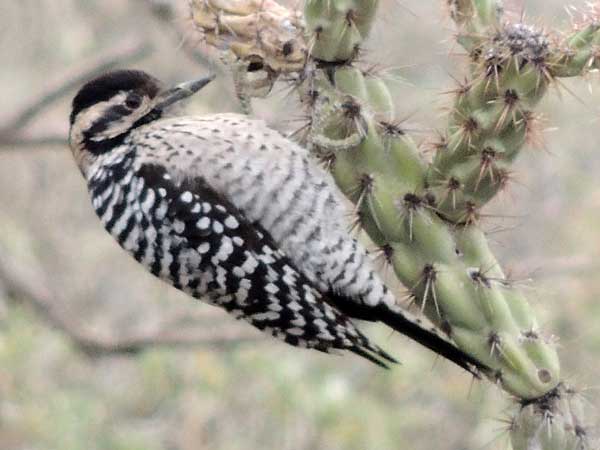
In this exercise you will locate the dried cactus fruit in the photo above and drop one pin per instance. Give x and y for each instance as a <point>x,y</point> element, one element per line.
<point>260,39</point>
<point>256,31</point>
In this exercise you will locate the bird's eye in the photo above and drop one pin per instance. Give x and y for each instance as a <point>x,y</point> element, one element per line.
<point>133,101</point>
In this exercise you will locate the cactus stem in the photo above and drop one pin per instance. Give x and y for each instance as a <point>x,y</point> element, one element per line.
<point>312,41</point>
<point>507,355</point>
<point>354,133</point>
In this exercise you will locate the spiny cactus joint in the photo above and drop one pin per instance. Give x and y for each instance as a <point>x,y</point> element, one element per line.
<point>425,217</point>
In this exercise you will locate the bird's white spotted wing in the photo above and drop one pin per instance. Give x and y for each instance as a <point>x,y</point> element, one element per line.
<point>215,253</point>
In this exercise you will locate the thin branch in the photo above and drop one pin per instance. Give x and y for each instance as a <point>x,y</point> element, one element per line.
<point>23,284</point>
<point>551,267</point>
<point>206,337</point>
<point>35,142</point>
<point>130,50</point>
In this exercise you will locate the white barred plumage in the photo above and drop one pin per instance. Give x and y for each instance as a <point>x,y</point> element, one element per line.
<point>230,211</point>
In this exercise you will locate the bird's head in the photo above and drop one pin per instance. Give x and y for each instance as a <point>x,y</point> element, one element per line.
<point>107,108</point>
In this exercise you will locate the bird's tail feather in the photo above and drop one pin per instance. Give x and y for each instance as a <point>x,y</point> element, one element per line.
<point>410,327</point>
<point>402,324</point>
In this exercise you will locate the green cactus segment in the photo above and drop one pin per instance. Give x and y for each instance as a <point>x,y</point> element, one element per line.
<point>574,56</point>
<point>579,54</point>
<point>553,422</point>
<point>451,273</point>
<point>490,121</point>
<point>512,65</point>
<point>338,27</point>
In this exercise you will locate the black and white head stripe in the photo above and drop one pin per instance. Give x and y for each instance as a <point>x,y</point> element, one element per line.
<point>133,82</point>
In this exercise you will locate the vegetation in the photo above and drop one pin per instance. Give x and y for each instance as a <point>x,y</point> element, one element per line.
<point>56,396</point>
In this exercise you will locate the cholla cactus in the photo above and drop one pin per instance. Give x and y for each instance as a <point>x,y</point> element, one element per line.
<point>425,216</point>
<point>430,236</point>
<point>553,422</point>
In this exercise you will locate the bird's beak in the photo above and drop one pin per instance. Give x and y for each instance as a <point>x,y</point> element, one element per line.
<point>181,91</point>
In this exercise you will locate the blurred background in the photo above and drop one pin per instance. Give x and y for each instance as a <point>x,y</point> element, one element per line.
<point>96,354</point>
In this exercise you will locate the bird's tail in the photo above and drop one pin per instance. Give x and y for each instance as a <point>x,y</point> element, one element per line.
<point>411,327</point>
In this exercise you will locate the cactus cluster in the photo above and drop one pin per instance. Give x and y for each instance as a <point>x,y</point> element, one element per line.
<point>553,422</point>
<point>490,121</point>
<point>425,216</point>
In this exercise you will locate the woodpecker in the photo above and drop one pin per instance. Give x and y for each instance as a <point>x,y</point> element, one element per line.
<point>230,211</point>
